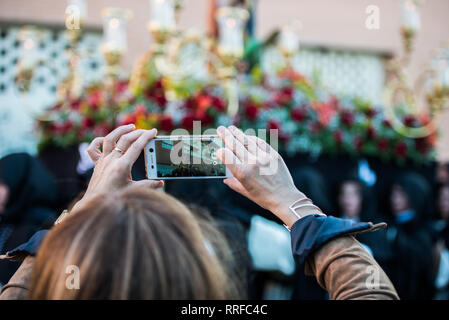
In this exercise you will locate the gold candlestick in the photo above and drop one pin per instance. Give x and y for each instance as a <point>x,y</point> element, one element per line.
<point>231,23</point>
<point>114,39</point>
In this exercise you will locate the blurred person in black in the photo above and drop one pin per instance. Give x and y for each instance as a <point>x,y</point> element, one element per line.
<point>27,191</point>
<point>356,201</point>
<point>411,267</point>
<point>441,242</point>
<point>350,200</point>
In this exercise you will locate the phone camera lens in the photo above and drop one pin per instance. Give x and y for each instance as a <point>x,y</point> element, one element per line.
<point>152,167</point>
<point>151,150</point>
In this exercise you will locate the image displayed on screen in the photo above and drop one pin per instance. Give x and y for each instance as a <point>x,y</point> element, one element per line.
<point>188,158</point>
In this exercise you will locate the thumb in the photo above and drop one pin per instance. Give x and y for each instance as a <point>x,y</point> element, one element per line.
<point>153,184</point>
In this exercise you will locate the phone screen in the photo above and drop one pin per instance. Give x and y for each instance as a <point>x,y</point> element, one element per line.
<point>188,157</point>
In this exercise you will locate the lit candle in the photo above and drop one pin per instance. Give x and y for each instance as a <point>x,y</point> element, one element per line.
<point>441,68</point>
<point>288,40</point>
<point>81,6</point>
<point>162,15</point>
<point>445,76</point>
<point>411,18</point>
<point>114,30</point>
<point>29,53</point>
<point>231,23</point>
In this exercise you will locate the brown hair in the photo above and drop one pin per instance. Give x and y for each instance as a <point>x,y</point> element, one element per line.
<point>132,244</point>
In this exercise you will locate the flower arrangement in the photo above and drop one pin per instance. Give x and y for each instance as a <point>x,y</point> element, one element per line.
<point>308,119</point>
<point>81,119</point>
<point>312,121</point>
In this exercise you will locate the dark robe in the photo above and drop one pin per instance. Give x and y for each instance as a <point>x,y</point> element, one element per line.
<point>32,192</point>
<point>411,266</point>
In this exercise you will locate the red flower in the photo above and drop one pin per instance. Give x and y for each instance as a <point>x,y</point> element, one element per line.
<point>315,127</point>
<point>347,118</point>
<point>325,112</point>
<point>160,99</point>
<point>101,131</point>
<point>288,92</point>
<point>140,109</point>
<point>203,101</point>
<point>383,145</point>
<point>284,137</point>
<point>67,126</point>
<point>55,128</point>
<point>410,121</point>
<point>218,103</point>
<point>338,137</point>
<point>127,119</point>
<point>166,123</point>
<point>387,123</point>
<point>94,100</point>
<point>370,112</point>
<point>371,133</point>
<point>422,145</point>
<point>273,125</point>
<point>75,104</point>
<point>190,104</point>
<point>252,112</point>
<point>87,122</point>
<point>334,102</point>
<point>205,118</point>
<point>358,143</point>
<point>187,122</point>
<point>156,93</point>
<point>298,114</point>
<point>284,96</point>
<point>158,84</point>
<point>121,86</point>
<point>401,149</point>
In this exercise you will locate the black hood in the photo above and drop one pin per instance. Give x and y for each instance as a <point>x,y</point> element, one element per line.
<point>419,193</point>
<point>29,183</point>
<point>369,199</point>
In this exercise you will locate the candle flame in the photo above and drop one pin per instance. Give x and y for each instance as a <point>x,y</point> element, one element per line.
<point>231,23</point>
<point>114,23</point>
<point>28,44</point>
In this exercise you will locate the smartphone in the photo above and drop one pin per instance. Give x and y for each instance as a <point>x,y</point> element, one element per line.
<point>184,157</point>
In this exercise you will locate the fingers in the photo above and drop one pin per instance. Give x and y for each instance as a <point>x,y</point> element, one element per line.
<point>94,149</point>
<point>263,145</point>
<point>126,140</point>
<point>229,159</point>
<point>134,151</point>
<point>152,184</point>
<point>245,140</point>
<point>235,145</point>
<point>111,139</point>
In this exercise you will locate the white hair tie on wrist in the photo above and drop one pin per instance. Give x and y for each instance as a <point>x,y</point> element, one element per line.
<point>298,204</point>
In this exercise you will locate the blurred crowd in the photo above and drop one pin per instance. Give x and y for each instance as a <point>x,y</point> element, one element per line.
<point>413,250</point>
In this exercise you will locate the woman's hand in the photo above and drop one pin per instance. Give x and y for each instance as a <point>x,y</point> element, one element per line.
<point>260,174</point>
<point>121,149</point>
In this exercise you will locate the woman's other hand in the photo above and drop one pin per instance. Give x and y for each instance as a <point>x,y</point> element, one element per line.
<point>261,175</point>
<point>120,150</point>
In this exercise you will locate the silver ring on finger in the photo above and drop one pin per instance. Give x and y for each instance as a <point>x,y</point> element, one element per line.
<point>118,150</point>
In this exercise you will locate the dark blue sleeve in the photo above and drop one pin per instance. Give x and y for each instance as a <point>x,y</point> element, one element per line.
<point>311,232</point>
<point>29,248</point>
